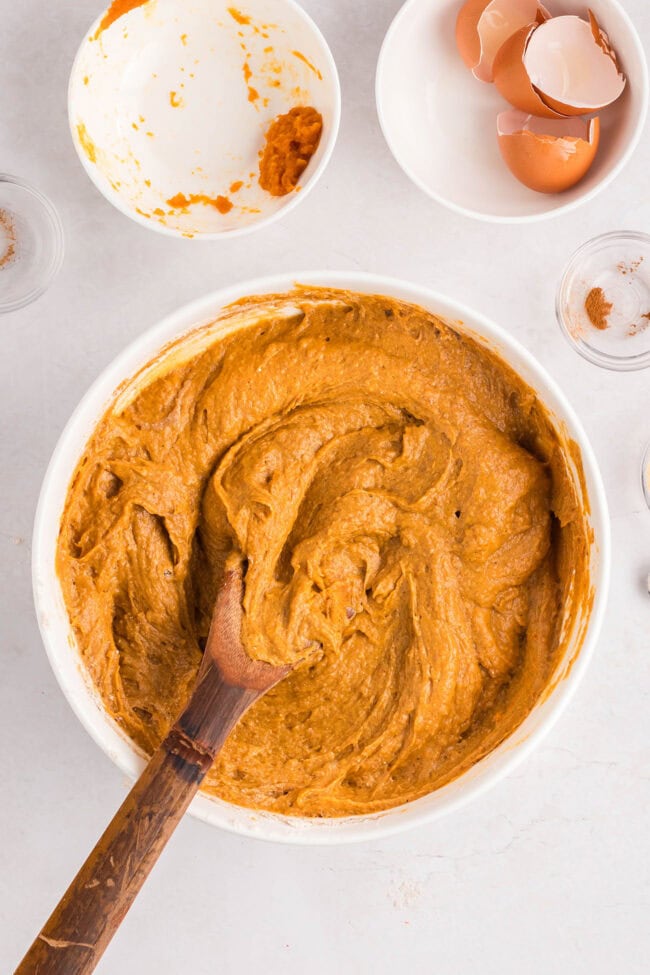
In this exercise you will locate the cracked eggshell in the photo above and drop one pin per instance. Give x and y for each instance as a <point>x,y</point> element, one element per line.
<point>511,77</point>
<point>573,67</point>
<point>562,67</point>
<point>482,26</point>
<point>547,155</point>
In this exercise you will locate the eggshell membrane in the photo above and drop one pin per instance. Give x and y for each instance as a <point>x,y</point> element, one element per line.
<point>570,64</point>
<point>482,26</point>
<point>511,77</point>
<point>547,155</point>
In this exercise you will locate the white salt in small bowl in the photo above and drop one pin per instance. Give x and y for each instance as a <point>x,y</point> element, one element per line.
<point>175,98</point>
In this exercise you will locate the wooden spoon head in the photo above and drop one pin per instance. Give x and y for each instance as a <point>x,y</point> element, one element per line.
<point>224,648</point>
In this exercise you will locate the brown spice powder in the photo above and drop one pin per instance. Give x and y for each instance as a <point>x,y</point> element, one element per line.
<point>8,230</point>
<point>598,308</point>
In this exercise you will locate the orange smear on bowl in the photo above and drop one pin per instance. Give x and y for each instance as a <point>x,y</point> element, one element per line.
<point>236,186</point>
<point>221,203</point>
<point>239,16</point>
<point>86,142</point>
<point>116,10</point>
<point>301,57</point>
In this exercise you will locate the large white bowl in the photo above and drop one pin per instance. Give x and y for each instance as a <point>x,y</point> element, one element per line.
<point>59,640</point>
<point>158,105</point>
<point>440,122</point>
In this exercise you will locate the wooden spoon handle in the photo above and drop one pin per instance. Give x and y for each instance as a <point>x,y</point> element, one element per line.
<point>77,933</point>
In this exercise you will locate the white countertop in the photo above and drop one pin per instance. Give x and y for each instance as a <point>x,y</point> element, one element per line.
<point>550,871</point>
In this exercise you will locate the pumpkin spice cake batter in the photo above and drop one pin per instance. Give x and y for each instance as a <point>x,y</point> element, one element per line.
<point>414,544</point>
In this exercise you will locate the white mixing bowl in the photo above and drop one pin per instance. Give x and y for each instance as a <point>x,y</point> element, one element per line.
<point>59,639</point>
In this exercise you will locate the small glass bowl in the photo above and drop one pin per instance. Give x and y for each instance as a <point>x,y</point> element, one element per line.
<point>31,243</point>
<point>619,264</point>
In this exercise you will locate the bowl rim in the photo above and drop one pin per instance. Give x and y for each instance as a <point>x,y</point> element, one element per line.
<point>294,199</point>
<point>68,668</point>
<point>643,86</point>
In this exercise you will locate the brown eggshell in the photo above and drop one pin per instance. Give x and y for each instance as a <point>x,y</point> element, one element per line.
<point>572,66</point>
<point>467,39</point>
<point>554,157</point>
<point>483,25</point>
<point>511,77</point>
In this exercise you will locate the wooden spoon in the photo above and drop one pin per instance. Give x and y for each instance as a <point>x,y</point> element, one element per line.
<point>89,913</point>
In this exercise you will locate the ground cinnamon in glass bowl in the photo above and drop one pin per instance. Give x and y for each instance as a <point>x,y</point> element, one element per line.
<point>31,243</point>
<point>603,301</point>
<point>598,308</point>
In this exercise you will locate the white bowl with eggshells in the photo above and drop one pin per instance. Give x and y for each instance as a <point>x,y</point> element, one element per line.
<point>440,122</point>
<point>171,102</point>
<point>581,634</point>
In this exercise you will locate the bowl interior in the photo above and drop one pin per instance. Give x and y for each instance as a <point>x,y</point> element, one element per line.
<point>59,640</point>
<point>175,98</point>
<point>440,122</point>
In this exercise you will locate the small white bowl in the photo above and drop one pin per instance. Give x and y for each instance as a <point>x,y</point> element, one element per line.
<point>440,122</point>
<point>176,98</point>
<point>59,639</point>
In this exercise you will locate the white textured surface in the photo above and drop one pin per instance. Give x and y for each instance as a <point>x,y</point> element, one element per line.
<point>550,872</point>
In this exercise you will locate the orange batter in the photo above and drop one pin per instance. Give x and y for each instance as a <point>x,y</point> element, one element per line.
<point>414,538</point>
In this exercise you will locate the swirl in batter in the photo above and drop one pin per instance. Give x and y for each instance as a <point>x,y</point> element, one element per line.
<point>415,543</point>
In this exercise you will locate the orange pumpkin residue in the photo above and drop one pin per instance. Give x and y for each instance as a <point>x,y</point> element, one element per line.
<point>239,16</point>
<point>253,94</point>
<point>175,99</point>
<point>301,57</point>
<point>180,201</point>
<point>291,141</point>
<point>116,10</point>
<point>236,186</point>
<point>86,142</point>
